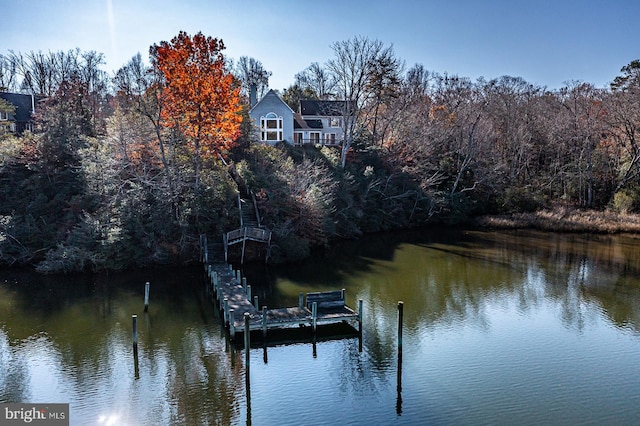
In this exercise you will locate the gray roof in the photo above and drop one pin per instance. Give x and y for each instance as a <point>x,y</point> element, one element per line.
<point>23,104</point>
<point>322,108</point>
<point>314,124</point>
<point>300,123</point>
<point>270,93</point>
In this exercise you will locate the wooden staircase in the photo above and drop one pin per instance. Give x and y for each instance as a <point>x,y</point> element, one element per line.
<point>248,216</point>
<point>211,250</point>
<point>250,229</point>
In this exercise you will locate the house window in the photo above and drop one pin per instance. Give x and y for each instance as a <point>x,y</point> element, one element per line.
<point>271,128</point>
<point>298,138</point>
<point>336,122</point>
<point>329,138</point>
<point>314,137</point>
<point>7,126</point>
<point>4,116</point>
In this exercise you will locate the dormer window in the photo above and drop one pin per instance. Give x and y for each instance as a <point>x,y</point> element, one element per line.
<point>271,128</point>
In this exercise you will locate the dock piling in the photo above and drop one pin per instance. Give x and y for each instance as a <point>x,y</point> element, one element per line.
<point>314,316</point>
<point>232,324</point>
<point>264,322</point>
<point>225,304</point>
<point>136,365</point>
<point>360,325</point>
<point>247,346</point>
<point>300,300</point>
<point>255,301</point>
<point>146,296</point>
<point>136,368</point>
<point>134,324</point>
<point>134,321</point>
<point>400,314</point>
<point>399,372</point>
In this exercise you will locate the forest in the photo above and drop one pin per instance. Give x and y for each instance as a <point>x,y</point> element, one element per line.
<point>127,170</point>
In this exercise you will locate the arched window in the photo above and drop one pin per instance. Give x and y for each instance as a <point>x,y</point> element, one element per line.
<point>271,128</point>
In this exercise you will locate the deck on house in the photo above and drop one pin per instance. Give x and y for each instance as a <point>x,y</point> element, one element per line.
<point>232,294</point>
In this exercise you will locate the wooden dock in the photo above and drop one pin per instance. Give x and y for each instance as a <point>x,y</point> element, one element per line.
<point>232,295</point>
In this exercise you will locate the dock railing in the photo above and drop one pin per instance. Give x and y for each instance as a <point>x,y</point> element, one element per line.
<point>260,235</point>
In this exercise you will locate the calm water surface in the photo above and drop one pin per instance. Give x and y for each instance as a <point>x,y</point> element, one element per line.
<point>499,328</point>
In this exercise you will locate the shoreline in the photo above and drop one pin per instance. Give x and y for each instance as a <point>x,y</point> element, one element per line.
<point>558,219</point>
<point>564,219</point>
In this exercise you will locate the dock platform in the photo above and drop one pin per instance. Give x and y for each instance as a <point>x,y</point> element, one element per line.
<point>232,295</point>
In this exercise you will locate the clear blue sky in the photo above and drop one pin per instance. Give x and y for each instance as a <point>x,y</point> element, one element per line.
<point>546,42</point>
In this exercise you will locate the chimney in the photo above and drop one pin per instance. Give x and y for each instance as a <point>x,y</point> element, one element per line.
<point>253,94</point>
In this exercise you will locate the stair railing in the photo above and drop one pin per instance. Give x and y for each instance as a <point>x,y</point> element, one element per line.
<point>240,209</point>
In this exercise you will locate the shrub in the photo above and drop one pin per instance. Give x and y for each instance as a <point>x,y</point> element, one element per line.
<point>515,200</point>
<point>624,201</point>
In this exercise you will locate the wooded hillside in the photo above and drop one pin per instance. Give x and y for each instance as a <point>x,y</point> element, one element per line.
<point>127,170</point>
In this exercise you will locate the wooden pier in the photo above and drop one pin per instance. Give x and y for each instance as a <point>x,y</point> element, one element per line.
<point>232,295</point>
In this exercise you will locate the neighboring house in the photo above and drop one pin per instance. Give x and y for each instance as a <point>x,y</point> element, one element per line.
<point>22,118</point>
<point>316,122</point>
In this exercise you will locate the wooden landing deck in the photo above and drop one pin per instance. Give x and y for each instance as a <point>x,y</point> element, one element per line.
<point>232,294</point>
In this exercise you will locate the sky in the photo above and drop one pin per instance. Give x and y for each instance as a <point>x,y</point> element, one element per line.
<point>547,43</point>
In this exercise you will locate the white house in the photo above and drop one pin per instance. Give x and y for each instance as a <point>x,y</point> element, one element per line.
<point>273,118</point>
<point>316,122</point>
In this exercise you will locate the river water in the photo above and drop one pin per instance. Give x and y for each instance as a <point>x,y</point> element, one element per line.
<point>499,328</point>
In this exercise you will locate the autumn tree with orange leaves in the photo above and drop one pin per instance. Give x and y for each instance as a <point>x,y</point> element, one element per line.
<point>199,97</point>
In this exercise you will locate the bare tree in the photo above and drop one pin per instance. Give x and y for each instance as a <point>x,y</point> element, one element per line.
<point>316,79</point>
<point>43,73</point>
<point>384,87</point>
<point>250,72</point>
<point>8,74</point>
<point>37,71</point>
<point>410,139</point>
<point>465,134</point>
<point>66,65</point>
<point>138,88</point>
<point>418,81</point>
<point>292,95</point>
<point>583,131</point>
<point>510,100</point>
<point>623,106</point>
<point>351,70</point>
